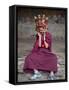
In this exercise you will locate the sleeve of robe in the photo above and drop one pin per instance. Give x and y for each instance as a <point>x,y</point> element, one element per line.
<point>48,39</point>
<point>36,44</point>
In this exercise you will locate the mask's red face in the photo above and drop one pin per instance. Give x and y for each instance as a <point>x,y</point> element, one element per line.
<point>41,25</point>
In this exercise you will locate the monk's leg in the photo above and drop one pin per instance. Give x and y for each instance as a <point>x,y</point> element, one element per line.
<point>36,75</point>
<point>51,76</point>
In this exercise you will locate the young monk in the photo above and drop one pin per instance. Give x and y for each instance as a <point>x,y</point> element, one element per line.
<point>41,57</point>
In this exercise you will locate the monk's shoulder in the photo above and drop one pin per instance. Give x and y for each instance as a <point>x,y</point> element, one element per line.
<point>37,36</point>
<point>48,34</point>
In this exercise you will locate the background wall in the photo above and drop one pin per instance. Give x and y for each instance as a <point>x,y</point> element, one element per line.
<point>4,44</point>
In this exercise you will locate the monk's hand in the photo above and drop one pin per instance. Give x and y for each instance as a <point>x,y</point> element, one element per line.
<point>39,38</point>
<point>39,34</point>
<point>46,44</point>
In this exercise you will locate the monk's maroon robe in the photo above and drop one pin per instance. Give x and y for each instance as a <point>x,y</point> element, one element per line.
<point>41,58</point>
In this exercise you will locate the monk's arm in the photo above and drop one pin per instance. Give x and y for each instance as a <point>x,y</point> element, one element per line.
<point>47,40</point>
<point>39,41</point>
<point>46,44</point>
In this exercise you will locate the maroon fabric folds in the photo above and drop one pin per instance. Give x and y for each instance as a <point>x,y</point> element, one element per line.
<point>41,58</point>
